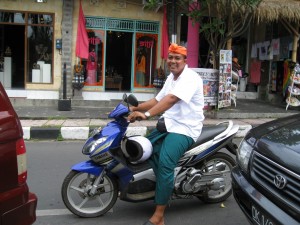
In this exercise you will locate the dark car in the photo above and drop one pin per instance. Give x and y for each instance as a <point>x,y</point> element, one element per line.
<point>17,204</point>
<point>266,182</point>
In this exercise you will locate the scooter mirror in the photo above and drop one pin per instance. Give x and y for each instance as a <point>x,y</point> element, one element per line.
<point>131,99</point>
<point>125,97</point>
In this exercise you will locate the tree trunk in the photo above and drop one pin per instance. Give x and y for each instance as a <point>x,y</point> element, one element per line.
<point>229,44</point>
<point>295,43</point>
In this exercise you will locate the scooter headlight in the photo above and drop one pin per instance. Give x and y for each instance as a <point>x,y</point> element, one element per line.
<point>88,148</point>
<point>243,155</point>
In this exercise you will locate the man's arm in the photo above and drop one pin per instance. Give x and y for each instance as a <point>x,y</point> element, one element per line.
<point>165,103</point>
<point>145,105</point>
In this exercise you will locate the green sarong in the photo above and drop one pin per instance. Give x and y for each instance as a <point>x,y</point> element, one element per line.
<point>168,148</point>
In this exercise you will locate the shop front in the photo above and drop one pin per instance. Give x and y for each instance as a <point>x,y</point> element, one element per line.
<point>122,56</point>
<point>37,40</point>
<point>271,61</point>
<point>26,50</point>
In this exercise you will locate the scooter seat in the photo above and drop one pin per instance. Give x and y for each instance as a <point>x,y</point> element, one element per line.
<point>208,133</point>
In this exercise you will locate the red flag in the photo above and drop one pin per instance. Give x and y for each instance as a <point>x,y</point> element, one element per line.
<point>82,42</point>
<point>165,38</point>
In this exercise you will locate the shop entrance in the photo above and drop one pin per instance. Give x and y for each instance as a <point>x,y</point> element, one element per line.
<point>12,48</point>
<point>118,61</point>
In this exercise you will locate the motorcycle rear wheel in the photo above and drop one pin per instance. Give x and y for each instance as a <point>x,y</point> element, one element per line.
<point>77,198</point>
<point>212,196</point>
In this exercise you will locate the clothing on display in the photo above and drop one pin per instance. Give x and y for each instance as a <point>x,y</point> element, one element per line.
<point>141,70</point>
<point>276,46</point>
<point>255,72</point>
<point>254,51</point>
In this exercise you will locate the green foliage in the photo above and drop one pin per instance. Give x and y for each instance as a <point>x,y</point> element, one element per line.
<point>152,4</point>
<point>60,137</point>
<point>220,20</point>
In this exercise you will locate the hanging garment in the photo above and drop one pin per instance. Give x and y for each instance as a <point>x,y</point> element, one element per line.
<point>286,77</point>
<point>254,51</point>
<point>255,72</point>
<point>276,46</point>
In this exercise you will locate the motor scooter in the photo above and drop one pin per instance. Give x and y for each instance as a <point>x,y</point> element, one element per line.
<point>92,187</point>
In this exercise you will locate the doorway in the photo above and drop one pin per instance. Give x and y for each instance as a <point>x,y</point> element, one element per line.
<point>118,61</point>
<point>12,48</point>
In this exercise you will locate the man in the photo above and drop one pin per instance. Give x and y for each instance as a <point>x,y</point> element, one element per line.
<point>181,101</point>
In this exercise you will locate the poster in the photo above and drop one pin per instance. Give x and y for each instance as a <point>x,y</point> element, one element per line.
<point>210,79</point>
<point>225,79</point>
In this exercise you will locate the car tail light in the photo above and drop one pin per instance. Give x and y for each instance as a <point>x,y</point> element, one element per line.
<point>22,161</point>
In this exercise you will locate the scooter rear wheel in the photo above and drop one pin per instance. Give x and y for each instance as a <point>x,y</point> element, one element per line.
<point>209,167</point>
<point>77,197</point>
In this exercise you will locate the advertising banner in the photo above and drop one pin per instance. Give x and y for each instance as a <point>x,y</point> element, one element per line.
<point>210,79</point>
<point>225,79</point>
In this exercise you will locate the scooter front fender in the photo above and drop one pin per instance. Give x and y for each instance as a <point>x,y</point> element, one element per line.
<point>88,167</point>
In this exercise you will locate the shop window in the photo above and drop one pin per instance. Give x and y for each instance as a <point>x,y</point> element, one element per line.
<point>93,72</point>
<point>39,48</point>
<point>39,19</point>
<point>11,17</point>
<point>145,59</point>
<point>26,47</point>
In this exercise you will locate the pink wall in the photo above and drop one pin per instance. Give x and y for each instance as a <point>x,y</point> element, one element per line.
<point>193,43</point>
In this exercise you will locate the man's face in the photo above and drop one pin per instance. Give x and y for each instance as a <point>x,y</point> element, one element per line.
<point>176,63</point>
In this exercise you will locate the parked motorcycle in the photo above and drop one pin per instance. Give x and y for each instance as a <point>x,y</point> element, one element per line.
<point>117,168</point>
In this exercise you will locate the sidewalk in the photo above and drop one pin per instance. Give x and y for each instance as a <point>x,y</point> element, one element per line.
<point>48,123</point>
<point>78,129</point>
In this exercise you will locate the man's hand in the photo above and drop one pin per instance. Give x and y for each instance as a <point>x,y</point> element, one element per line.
<point>136,115</point>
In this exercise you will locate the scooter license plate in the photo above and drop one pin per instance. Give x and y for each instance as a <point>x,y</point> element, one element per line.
<point>260,218</point>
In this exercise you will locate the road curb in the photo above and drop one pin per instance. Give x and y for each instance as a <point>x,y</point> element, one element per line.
<point>70,133</point>
<point>82,133</point>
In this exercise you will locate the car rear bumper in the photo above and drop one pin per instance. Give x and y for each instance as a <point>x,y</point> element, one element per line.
<point>257,208</point>
<point>23,214</point>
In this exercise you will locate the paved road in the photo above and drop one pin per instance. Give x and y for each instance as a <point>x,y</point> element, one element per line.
<point>48,164</point>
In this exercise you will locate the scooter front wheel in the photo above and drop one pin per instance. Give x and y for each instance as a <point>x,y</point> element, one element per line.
<point>79,198</point>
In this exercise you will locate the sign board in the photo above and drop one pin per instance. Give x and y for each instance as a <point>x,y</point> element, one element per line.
<point>210,79</point>
<point>225,79</point>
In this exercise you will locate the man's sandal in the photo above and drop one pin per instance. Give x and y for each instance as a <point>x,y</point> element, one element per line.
<point>148,223</point>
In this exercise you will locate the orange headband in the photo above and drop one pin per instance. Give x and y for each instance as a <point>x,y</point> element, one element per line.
<point>174,48</point>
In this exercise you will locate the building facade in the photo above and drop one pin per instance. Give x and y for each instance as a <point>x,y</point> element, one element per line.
<point>38,42</point>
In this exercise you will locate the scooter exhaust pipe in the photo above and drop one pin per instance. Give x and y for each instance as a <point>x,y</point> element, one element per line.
<point>219,167</point>
<point>148,174</point>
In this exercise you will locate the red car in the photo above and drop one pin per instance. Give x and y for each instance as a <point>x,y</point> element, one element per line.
<point>17,204</point>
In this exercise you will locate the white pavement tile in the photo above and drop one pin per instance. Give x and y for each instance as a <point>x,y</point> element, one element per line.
<point>26,133</point>
<point>54,123</point>
<point>257,121</point>
<point>75,133</point>
<point>98,122</point>
<point>76,123</point>
<point>33,123</point>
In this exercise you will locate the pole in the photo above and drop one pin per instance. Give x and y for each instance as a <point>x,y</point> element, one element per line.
<point>150,65</point>
<point>65,81</point>
<point>174,31</point>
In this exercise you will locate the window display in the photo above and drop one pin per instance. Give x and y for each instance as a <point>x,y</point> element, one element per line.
<point>294,88</point>
<point>39,52</point>
<point>145,59</point>
<point>30,57</point>
<point>93,75</point>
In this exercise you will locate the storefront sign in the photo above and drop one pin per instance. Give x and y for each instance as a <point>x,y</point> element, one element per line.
<point>210,79</point>
<point>147,44</point>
